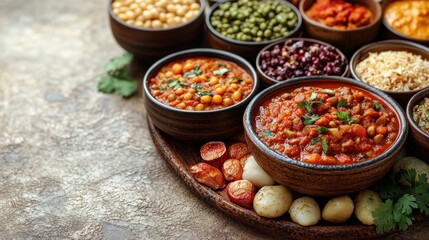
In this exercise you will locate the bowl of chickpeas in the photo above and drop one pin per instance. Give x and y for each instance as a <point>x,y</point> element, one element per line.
<point>151,29</point>
<point>244,27</point>
<point>199,94</point>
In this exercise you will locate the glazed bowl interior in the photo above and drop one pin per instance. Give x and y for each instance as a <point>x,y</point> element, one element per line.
<point>318,179</point>
<point>268,81</point>
<point>389,45</point>
<point>197,125</point>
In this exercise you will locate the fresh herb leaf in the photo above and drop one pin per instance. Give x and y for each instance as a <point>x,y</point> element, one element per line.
<point>376,106</point>
<point>342,103</point>
<point>220,71</point>
<point>267,133</point>
<point>116,78</point>
<point>204,93</point>
<point>317,102</point>
<point>345,117</point>
<point>193,73</point>
<point>196,86</point>
<point>427,114</point>
<point>310,118</point>
<point>322,130</point>
<point>236,80</point>
<point>306,105</point>
<point>315,140</point>
<point>329,91</point>
<point>325,147</point>
<point>313,96</point>
<point>175,84</point>
<point>383,217</point>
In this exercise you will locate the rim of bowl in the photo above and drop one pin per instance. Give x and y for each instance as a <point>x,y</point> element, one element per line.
<point>201,11</point>
<point>258,57</point>
<point>233,41</point>
<point>201,52</point>
<point>369,47</point>
<point>394,31</point>
<point>379,14</point>
<point>249,115</point>
<point>409,110</point>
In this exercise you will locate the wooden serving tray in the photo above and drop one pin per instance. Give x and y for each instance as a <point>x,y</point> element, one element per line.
<point>181,155</point>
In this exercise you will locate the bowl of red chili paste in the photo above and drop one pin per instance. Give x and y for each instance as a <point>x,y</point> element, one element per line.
<point>199,94</point>
<point>325,136</point>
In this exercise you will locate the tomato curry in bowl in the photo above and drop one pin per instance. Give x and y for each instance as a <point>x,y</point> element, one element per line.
<point>325,135</point>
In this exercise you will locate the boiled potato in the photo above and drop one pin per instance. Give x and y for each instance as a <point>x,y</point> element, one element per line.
<point>305,211</point>
<point>366,202</point>
<point>338,209</point>
<point>272,201</point>
<point>407,163</point>
<point>253,173</point>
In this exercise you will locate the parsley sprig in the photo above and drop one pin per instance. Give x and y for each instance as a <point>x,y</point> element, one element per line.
<point>116,77</point>
<point>400,200</point>
<point>221,71</point>
<point>193,73</point>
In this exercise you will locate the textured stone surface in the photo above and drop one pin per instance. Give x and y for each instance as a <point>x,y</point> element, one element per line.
<point>78,164</point>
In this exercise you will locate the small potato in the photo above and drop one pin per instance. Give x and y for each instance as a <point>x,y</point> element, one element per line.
<point>366,202</point>
<point>338,210</point>
<point>408,163</point>
<point>272,201</point>
<point>255,174</point>
<point>305,211</point>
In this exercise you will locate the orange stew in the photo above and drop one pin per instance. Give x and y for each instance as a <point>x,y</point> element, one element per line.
<point>201,83</point>
<point>329,125</point>
<point>340,14</point>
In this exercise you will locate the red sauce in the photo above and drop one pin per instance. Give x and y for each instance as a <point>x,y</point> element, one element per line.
<point>329,124</point>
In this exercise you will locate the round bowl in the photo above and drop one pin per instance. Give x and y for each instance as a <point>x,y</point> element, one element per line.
<point>267,81</point>
<point>198,125</point>
<point>389,45</point>
<point>346,40</point>
<point>150,44</point>
<point>318,179</point>
<point>418,140</point>
<point>248,50</point>
<point>391,33</point>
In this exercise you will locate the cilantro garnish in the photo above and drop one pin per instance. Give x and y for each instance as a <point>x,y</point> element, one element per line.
<point>400,200</point>
<point>267,133</point>
<point>313,96</point>
<point>342,103</point>
<point>220,71</point>
<point>204,93</point>
<point>329,91</point>
<point>193,73</point>
<point>322,130</point>
<point>323,141</point>
<point>376,106</point>
<point>310,118</point>
<point>175,84</point>
<point>306,105</point>
<point>116,78</point>
<point>345,117</point>
<point>236,80</point>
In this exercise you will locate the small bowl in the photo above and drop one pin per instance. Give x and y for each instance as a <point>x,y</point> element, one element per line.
<point>149,44</point>
<point>316,179</point>
<point>198,125</point>
<point>346,40</point>
<point>391,33</point>
<point>267,81</point>
<point>418,140</point>
<point>248,50</point>
<point>394,45</point>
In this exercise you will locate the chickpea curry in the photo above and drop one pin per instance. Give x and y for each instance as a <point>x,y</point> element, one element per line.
<point>328,125</point>
<point>201,84</point>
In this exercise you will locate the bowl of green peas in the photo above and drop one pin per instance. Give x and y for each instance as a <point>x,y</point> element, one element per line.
<point>244,27</point>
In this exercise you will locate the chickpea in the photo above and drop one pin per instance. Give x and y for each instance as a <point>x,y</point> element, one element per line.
<point>234,86</point>
<point>177,68</point>
<point>217,99</point>
<point>214,80</point>
<point>169,74</point>
<point>188,67</point>
<point>237,95</point>
<point>147,14</point>
<point>130,14</point>
<point>206,99</point>
<point>181,105</point>
<point>171,97</point>
<point>192,90</point>
<point>227,102</point>
<point>179,91</point>
<point>378,138</point>
<point>199,107</point>
<point>188,96</point>
<point>195,6</point>
<point>220,91</point>
<point>123,17</point>
<point>116,5</point>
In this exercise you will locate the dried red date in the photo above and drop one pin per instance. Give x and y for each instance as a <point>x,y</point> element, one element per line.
<point>238,150</point>
<point>208,175</point>
<point>212,150</point>
<point>241,192</point>
<point>232,170</point>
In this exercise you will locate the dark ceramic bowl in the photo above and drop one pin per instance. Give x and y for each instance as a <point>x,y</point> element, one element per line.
<point>248,50</point>
<point>198,125</point>
<point>346,40</point>
<point>148,44</point>
<point>418,140</point>
<point>267,81</point>
<point>391,33</point>
<point>315,179</point>
<point>393,45</point>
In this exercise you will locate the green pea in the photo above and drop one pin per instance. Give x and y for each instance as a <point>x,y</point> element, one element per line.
<point>291,24</point>
<point>254,31</point>
<point>259,33</point>
<point>263,26</point>
<point>291,15</point>
<point>268,33</point>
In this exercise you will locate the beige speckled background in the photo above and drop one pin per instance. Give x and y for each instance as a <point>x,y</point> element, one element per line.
<point>78,164</point>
